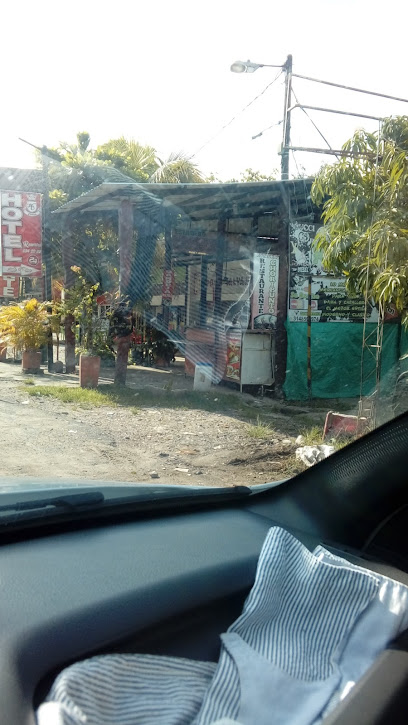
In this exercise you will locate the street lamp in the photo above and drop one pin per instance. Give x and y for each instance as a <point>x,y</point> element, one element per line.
<point>241,66</point>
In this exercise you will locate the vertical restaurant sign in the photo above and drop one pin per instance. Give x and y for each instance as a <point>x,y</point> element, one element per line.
<point>168,284</point>
<point>21,234</point>
<point>265,290</point>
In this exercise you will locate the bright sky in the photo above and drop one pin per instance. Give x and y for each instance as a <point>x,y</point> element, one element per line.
<point>158,71</point>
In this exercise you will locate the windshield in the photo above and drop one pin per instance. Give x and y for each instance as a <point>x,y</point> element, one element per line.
<point>203,259</point>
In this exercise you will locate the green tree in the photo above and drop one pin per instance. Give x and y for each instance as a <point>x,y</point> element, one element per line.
<point>365,212</point>
<point>130,157</point>
<point>142,164</point>
<point>75,169</point>
<point>250,175</point>
<point>176,169</point>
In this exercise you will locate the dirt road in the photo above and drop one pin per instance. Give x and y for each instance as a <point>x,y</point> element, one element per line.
<point>43,437</point>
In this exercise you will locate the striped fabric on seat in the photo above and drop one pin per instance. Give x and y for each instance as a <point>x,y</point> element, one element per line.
<point>296,649</point>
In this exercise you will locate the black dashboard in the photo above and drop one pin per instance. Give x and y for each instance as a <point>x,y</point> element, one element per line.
<point>170,582</point>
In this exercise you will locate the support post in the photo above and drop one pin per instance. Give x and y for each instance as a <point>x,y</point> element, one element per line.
<point>309,336</point>
<point>167,266</point>
<point>47,250</point>
<point>69,279</point>
<point>125,229</point>
<point>122,355</point>
<point>281,343</point>
<point>219,330</point>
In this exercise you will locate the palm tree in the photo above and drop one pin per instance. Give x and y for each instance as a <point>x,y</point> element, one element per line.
<point>176,169</point>
<point>129,156</point>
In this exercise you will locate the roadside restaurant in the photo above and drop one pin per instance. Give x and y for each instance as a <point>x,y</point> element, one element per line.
<point>221,291</point>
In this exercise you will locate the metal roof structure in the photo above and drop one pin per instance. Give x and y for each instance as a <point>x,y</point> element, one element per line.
<point>21,179</point>
<point>196,201</point>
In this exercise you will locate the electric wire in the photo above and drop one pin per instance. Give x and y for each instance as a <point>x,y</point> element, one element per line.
<point>313,123</point>
<point>234,118</point>
<point>273,125</point>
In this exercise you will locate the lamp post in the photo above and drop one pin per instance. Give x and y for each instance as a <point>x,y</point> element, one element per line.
<point>249,67</point>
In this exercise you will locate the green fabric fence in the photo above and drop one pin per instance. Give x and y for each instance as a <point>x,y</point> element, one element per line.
<point>336,360</point>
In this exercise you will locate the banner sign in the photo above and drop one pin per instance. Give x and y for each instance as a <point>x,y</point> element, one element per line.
<point>21,234</point>
<point>9,286</point>
<point>330,300</point>
<point>265,290</point>
<point>233,371</point>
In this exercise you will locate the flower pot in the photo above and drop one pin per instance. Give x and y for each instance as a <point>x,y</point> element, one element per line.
<point>89,368</point>
<point>31,361</point>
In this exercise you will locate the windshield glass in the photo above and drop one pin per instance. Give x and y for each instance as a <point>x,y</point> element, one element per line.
<point>203,258</point>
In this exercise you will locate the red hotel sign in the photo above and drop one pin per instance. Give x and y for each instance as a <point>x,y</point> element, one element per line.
<point>20,242</point>
<point>9,286</point>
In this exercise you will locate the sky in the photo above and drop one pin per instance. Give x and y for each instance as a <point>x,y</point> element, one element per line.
<point>158,71</point>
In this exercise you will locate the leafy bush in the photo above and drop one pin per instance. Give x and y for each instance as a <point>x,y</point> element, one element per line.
<point>24,326</point>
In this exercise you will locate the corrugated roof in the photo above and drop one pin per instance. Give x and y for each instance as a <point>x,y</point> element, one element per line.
<point>197,201</point>
<point>21,179</point>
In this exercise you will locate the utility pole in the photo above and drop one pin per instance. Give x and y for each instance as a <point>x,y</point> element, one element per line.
<point>286,118</point>
<point>47,248</point>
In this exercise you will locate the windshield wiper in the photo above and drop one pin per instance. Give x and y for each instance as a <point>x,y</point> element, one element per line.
<point>93,505</point>
<point>70,502</point>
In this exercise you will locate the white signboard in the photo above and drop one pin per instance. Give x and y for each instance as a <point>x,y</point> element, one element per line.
<point>264,307</point>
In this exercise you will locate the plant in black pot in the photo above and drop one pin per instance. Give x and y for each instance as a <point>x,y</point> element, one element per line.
<point>163,349</point>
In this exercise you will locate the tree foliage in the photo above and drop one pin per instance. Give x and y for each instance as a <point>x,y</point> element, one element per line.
<point>250,175</point>
<point>247,176</point>
<point>177,169</point>
<point>127,155</point>
<point>365,212</point>
<point>24,325</point>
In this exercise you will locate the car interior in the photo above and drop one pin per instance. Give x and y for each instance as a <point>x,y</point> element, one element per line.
<point>167,575</point>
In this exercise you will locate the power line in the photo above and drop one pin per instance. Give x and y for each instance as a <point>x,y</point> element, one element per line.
<point>350,88</point>
<point>312,122</point>
<point>273,125</point>
<point>237,115</point>
<point>296,164</point>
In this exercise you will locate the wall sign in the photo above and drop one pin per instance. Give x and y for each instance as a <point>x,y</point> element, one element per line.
<point>330,300</point>
<point>264,307</point>
<point>21,234</point>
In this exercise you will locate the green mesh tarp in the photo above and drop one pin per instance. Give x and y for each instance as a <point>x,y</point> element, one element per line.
<point>336,360</point>
<point>404,350</point>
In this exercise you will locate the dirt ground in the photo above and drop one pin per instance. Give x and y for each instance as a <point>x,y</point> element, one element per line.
<point>155,436</point>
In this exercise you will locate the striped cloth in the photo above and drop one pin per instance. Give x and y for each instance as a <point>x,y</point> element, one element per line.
<point>128,689</point>
<point>288,658</point>
<point>382,621</point>
<point>296,618</point>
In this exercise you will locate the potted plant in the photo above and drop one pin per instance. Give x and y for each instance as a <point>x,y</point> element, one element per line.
<point>25,327</point>
<point>162,349</point>
<point>80,302</point>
